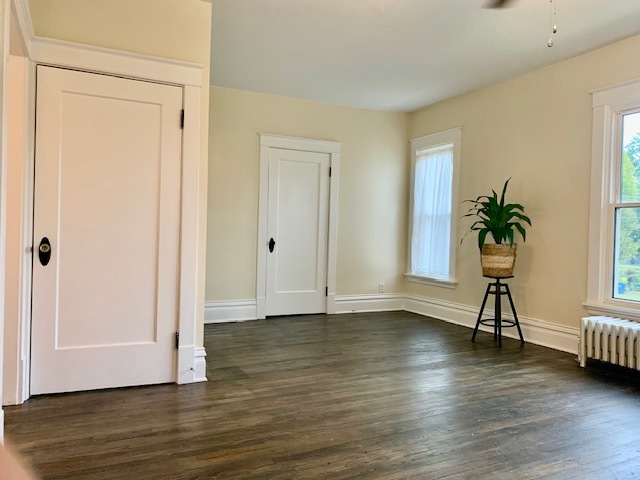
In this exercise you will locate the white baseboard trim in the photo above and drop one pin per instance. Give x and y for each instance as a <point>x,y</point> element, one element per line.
<point>200,364</point>
<point>369,303</point>
<point>230,311</point>
<point>534,331</point>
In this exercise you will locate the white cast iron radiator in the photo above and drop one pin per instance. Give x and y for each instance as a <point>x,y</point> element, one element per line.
<point>609,339</point>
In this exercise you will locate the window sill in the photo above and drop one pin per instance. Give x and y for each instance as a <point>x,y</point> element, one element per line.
<point>431,281</point>
<point>621,310</point>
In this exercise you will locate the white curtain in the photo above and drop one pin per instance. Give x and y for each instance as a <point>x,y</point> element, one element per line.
<point>431,236</point>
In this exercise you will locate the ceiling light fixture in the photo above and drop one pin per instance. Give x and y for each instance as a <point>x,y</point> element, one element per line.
<point>553,26</point>
<point>553,11</point>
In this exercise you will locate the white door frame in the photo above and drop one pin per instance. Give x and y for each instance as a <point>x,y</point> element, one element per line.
<point>18,372</point>
<point>5,16</point>
<point>44,51</point>
<point>268,141</point>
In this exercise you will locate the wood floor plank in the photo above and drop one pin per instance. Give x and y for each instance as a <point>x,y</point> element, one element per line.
<point>386,396</point>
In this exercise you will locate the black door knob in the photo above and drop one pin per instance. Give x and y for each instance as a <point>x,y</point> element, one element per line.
<point>44,251</point>
<point>272,243</point>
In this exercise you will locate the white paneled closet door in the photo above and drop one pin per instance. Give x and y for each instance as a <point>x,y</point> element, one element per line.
<point>106,218</point>
<point>298,213</point>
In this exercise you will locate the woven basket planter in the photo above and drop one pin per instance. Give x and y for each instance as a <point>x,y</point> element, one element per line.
<point>498,260</point>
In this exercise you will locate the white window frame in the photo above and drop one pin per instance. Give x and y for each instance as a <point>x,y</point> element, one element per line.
<point>609,105</point>
<point>452,136</point>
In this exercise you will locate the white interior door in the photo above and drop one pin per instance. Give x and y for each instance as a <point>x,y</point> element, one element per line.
<point>297,221</point>
<point>107,196</point>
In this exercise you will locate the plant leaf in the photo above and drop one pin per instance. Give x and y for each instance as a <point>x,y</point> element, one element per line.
<point>522,231</point>
<point>504,191</point>
<point>481,237</point>
<point>522,217</point>
<point>514,206</point>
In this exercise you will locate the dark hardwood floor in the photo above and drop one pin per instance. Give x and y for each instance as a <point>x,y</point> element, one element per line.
<point>365,396</point>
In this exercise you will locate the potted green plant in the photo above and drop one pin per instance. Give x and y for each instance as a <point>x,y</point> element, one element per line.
<point>500,220</point>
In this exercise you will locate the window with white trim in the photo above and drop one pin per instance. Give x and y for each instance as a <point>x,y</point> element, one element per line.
<point>435,162</point>
<point>614,227</point>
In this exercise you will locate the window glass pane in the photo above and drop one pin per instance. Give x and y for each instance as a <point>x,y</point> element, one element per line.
<point>626,281</point>
<point>630,167</point>
<point>431,236</point>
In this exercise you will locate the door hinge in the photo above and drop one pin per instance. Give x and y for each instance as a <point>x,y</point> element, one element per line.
<point>177,340</point>
<point>182,118</point>
<point>326,291</point>
<point>329,171</point>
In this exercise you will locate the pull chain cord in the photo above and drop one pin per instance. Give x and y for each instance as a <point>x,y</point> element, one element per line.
<point>553,27</point>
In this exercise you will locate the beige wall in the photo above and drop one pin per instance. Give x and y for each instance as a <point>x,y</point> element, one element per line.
<point>178,29</point>
<point>536,129</point>
<point>175,29</point>
<point>372,194</point>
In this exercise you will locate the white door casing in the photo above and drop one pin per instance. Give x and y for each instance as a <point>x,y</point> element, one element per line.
<point>40,50</point>
<point>107,195</point>
<point>298,209</point>
<point>297,222</point>
<point>4,49</point>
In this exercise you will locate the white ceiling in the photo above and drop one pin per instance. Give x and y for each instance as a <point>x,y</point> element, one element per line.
<point>399,54</point>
